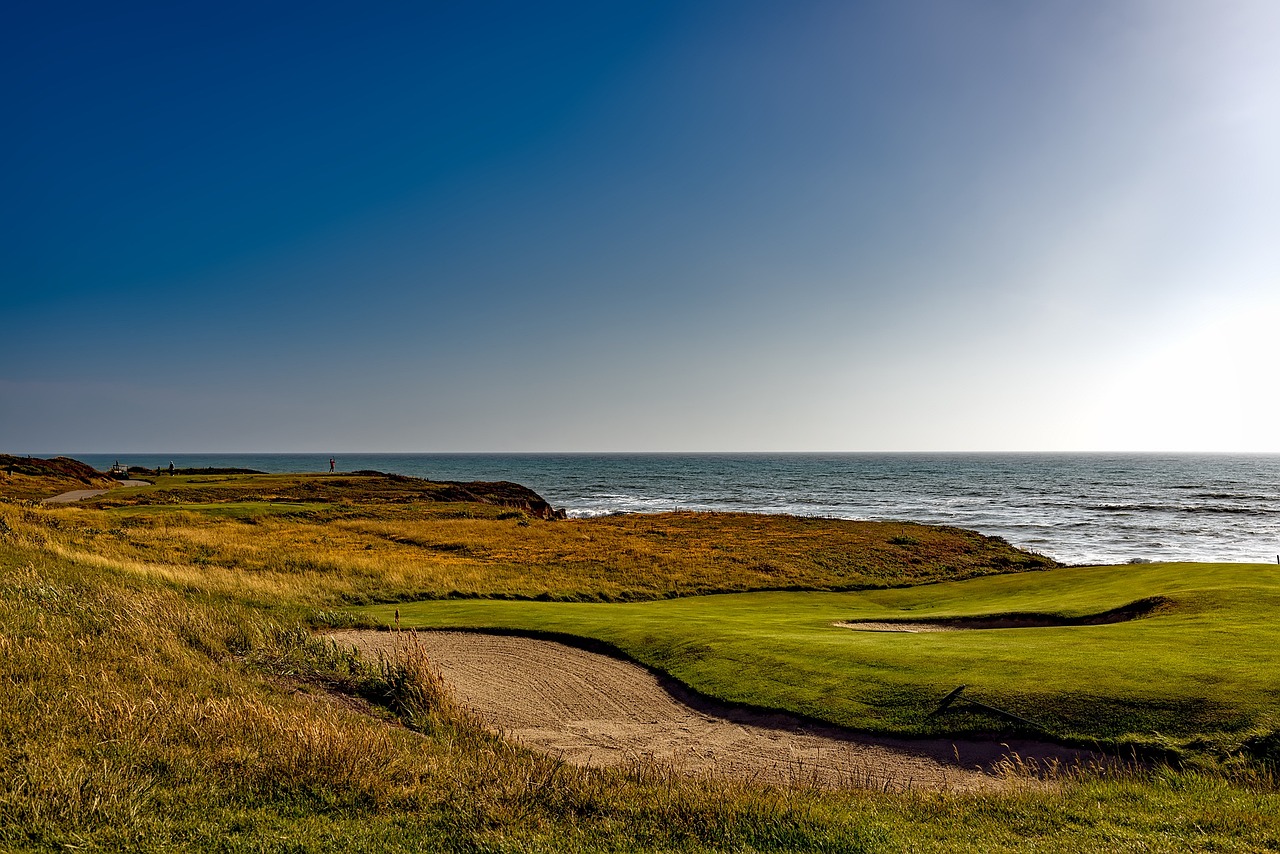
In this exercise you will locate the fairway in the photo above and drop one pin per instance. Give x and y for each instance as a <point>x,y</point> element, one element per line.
<point>1201,665</point>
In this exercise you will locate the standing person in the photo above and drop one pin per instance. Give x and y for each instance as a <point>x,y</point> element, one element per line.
<point>170,468</point>
<point>332,463</point>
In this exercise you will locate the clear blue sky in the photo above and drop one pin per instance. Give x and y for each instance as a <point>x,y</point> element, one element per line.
<point>640,226</point>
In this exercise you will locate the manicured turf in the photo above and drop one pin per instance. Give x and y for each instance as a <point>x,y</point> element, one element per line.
<point>1203,665</point>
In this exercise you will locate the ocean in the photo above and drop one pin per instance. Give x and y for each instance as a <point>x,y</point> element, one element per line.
<point>1076,508</point>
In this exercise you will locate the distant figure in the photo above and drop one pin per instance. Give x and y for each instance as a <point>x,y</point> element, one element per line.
<point>170,468</point>
<point>332,463</point>
<point>157,471</point>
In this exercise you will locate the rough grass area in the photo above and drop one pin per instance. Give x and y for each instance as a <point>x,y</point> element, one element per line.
<point>327,540</point>
<point>161,688</point>
<point>1196,674</point>
<point>28,478</point>
<point>366,488</point>
<point>137,715</point>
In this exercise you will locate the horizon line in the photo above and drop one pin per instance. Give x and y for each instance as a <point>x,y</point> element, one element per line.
<point>46,454</point>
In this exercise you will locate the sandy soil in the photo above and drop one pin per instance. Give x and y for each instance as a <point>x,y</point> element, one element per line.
<point>73,495</point>
<point>596,710</point>
<point>80,494</point>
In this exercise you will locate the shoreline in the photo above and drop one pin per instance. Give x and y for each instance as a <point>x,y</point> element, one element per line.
<point>1081,509</point>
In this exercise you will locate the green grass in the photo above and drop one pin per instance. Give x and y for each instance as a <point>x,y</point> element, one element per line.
<point>140,716</point>
<point>161,688</point>
<point>1199,670</point>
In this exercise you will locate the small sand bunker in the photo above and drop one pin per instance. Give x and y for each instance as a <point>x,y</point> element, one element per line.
<point>1123,614</point>
<point>595,710</point>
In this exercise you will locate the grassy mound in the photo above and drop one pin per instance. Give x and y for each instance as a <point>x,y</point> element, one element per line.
<point>63,467</point>
<point>328,540</point>
<point>193,486</point>
<point>26,478</point>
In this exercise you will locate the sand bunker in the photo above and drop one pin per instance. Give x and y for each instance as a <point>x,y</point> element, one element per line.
<point>1132,611</point>
<point>595,710</point>
<point>81,494</point>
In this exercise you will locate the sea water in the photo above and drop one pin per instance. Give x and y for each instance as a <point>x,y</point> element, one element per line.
<point>1077,508</point>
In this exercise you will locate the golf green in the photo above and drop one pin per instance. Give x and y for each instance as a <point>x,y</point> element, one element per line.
<point>1201,663</point>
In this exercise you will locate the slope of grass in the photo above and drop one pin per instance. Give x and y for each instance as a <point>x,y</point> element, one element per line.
<point>330,540</point>
<point>160,687</point>
<point>28,478</point>
<point>1200,669</point>
<point>367,488</point>
<point>138,716</point>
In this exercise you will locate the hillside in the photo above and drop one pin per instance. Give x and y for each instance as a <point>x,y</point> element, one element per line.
<point>26,478</point>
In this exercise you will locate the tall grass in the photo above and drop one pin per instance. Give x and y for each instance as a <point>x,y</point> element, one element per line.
<point>362,554</point>
<point>140,711</point>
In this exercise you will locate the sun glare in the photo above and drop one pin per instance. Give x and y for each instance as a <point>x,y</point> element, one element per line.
<point>1206,386</point>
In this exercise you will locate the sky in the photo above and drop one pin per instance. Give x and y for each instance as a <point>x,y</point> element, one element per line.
<point>640,226</point>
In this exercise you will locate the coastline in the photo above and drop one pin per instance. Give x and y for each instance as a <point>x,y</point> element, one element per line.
<point>1080,509</point>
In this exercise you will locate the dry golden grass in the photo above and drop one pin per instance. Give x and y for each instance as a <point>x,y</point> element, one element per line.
<point>26,478</point>
<point>152,702</point>
<point>26,487</point>
<point>326,554</point>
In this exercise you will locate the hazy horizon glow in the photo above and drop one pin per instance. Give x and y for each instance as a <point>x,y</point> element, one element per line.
<point>818,226</point>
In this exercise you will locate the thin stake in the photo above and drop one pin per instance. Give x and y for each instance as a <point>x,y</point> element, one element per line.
<point>954,695</point>
<point>947,701</point>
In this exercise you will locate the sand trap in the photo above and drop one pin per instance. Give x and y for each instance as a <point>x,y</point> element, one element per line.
<point>1133,611</point>
<point>81,494</point>
<point>595,710</point>
<point>73,495</point>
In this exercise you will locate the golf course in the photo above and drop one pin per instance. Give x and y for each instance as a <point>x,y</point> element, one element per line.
<point>239,661</point>
<point>1198,664</point>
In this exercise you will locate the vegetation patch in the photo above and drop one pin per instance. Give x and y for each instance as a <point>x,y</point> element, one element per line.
<point>370,488</point>
<point>161,687</point>
<point>27,478</point>
<point>326,540</point>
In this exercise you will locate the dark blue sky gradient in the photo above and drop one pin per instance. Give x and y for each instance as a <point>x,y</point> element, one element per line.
<point>635,226</point>
<point>169,144</point>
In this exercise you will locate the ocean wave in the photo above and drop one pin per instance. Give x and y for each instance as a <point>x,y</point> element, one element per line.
<point>1177,508</point>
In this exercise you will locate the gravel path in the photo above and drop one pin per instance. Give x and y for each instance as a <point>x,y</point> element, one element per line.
<point>80,494</point>
<point>595,710</point>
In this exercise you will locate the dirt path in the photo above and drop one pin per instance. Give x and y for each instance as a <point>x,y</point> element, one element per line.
<point>599,711</point>
<point>80,494</point>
